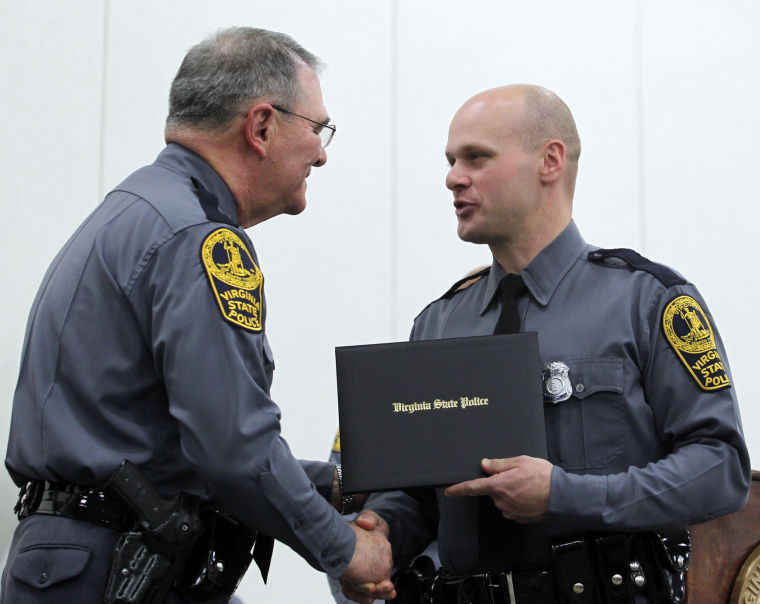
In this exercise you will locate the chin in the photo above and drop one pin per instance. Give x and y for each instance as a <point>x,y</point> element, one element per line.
<point>296,208</point>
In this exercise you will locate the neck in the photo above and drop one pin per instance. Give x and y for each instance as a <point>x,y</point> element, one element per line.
<point>220,151</point>
<point>515,253</point>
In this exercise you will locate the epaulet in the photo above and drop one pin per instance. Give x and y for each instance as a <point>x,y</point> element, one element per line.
<point>467,280</point>
<point>210,204</point>
<point>667,276</point>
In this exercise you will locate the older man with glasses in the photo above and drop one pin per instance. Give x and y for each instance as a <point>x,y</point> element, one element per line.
<point>144,438</point>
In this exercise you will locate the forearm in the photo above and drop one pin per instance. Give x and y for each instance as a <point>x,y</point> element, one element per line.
<point>698,482</point>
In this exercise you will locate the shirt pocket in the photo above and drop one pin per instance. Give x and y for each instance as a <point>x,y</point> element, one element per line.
<point>587,430</point>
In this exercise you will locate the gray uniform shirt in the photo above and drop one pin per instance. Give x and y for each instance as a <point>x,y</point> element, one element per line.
<point>638,445</point>
<point>138,347</point>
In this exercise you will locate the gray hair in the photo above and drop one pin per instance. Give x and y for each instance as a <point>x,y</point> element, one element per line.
<point>220,76</point>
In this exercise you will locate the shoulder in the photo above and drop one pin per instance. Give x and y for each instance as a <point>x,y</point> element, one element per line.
<point>457,290</point>
<point>468,280</point>
<point>631,260</point>
<point>174,198</point>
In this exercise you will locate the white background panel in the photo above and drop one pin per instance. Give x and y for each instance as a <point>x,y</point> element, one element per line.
<point>49,162</point>
<point>664,96</point>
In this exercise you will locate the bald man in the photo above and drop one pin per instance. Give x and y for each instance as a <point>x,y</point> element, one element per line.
<point>643,430</point>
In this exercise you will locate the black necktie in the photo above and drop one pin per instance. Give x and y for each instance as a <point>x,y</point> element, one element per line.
<point>500,540</point>
<point>511,288</point>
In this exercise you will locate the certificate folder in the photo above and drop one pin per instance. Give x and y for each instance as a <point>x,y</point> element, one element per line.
<point>425,413</point>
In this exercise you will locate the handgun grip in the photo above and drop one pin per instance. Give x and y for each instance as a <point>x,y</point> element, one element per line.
<point>135,492</point>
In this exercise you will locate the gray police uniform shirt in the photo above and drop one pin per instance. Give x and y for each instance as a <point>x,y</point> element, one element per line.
<point>650,436</point>
<point>146,341</point>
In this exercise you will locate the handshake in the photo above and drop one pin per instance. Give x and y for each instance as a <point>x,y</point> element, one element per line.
<point>367,577</point>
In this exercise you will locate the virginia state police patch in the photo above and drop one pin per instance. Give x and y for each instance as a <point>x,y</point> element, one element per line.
<point>689,332</point>
<point>235,279</point>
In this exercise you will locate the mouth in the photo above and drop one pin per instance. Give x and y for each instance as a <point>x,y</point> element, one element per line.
<point>462,207</point>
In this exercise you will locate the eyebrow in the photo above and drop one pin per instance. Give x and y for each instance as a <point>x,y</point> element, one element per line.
<point>469,148</point>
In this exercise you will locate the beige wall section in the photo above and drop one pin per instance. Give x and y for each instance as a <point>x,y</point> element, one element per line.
<point>665,99</point>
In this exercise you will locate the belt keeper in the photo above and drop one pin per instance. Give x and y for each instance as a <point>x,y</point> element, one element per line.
<point>574,572</point>
<point>613,558</point>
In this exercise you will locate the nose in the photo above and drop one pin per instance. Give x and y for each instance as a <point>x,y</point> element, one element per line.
<point>456,179</point>
<point>322,160</point>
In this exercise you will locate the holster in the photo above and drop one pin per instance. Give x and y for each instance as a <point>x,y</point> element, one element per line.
<point>219,559</point>
<point>147,562</point>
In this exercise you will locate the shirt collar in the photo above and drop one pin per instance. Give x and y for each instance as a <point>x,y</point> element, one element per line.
<point>545,272</point>
<point>181,160</point>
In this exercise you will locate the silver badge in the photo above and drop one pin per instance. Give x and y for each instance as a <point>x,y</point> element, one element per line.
<point>557,386</point>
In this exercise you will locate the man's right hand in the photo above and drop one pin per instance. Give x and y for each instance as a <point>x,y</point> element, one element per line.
<point>367,576</point>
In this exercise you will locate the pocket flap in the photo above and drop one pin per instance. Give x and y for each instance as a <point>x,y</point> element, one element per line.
<point>44,566</point>
<point>601,374</point>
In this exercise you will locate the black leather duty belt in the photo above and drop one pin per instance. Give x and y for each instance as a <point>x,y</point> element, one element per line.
<point>525,587</point>
<point>72,501</point>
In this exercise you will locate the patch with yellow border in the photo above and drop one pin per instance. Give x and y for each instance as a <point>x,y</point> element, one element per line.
<point>336,443</point>
<point>235,279</point>
<point>689,332</point>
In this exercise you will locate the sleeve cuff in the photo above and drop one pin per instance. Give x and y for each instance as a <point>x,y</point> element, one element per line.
<point>576,499</point>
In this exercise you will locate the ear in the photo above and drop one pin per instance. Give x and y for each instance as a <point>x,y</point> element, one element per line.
<point>259,128</point>
<point>553,161</point>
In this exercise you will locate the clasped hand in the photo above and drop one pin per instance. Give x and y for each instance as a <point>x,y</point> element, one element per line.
<point>367,577</point>
<point>519,487</point>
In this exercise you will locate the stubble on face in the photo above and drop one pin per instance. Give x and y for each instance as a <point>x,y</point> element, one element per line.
<point>491,174</point>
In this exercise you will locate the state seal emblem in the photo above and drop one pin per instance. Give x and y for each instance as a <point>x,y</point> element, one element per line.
<point>689,332</point>
<point>236,281</point>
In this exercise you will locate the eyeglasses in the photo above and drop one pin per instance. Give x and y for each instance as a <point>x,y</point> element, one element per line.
<point>325,131</point>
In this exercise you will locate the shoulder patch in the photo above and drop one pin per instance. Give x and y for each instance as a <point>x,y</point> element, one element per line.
<point>662,273</point>
<point>336,443</point>
<point>690,334</point>
<point>466,281</point>
<point>235,280</point>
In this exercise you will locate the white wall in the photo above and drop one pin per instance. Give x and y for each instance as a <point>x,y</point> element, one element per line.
<point>665,96</point>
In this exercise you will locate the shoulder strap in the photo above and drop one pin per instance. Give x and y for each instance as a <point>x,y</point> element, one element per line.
<point>668,277</point>
<point>210,204</point>
<point>466,281</point>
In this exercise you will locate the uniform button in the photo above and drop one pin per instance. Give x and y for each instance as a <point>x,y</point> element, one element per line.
<point>579,387</point>
<point>298,524</point>
<point>578,588</point>
<point>325,553</point>
<point>42,578</point>
<point>335,563</point>
<point>617,579</point>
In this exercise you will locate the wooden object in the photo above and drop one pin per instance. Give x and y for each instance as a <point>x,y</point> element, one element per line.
<point>720,549</point>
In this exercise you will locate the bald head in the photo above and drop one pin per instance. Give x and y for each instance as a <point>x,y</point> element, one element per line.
<point>513,156</point>
<point>535,115</point>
